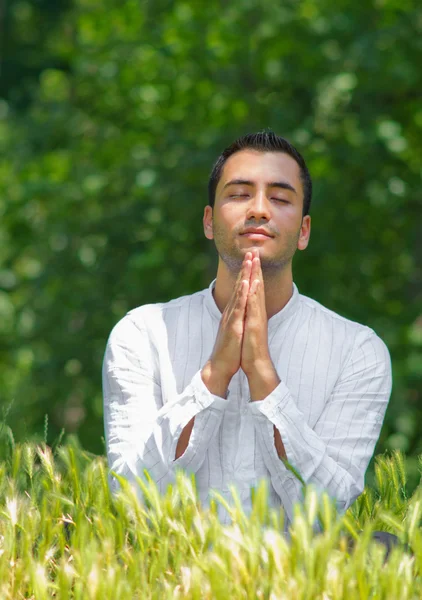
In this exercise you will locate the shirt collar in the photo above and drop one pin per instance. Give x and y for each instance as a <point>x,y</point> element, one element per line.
<point>287,311</point>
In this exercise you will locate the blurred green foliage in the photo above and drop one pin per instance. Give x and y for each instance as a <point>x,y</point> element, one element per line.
<point>111,115</point>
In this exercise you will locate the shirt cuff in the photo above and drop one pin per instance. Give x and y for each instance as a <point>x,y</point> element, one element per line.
<point>204,397</point>
<point>268,412</point>
<point>273,403</point>
<point>205,426</point>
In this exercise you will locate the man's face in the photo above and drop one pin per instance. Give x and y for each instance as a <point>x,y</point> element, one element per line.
<point>258,190</point>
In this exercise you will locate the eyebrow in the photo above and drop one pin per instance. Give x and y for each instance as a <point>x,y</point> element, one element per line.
<point>278,184</point>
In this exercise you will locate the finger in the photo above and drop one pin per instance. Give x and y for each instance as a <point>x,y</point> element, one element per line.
<point>238,298</point>
<point>255,273</point>
<point>244,268</point>
<point>261,287</point>
<point>245,284</point>
<point>247,265</point>
<point>239,306</point>
<point>244,274</point>
<point>248,256</point>
<point>243,298</point>
<point>254,287</point>
<point>251,302</point>
<point>261,277</point>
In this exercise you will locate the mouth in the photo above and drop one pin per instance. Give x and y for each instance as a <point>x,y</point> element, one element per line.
<point>256,236</point>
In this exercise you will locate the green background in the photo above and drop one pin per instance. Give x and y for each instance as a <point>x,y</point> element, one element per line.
<point>111,116</point>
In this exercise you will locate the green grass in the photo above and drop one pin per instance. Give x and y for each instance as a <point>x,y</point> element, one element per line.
<point>62,535</point>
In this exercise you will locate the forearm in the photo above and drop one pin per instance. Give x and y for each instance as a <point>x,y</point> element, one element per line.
<point>332,462</point>
<point>334,451</point>
<point>216,381</point>
<point>263,380</point>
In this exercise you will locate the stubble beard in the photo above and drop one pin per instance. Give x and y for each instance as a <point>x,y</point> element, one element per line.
<point>272,266</point>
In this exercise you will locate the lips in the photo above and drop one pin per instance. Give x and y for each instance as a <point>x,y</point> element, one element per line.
<point>257,231</point>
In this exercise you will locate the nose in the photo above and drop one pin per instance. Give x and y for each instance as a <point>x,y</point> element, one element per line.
<point>258,207</point>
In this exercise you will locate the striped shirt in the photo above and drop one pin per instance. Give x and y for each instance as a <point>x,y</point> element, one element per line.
<point>328,407</point>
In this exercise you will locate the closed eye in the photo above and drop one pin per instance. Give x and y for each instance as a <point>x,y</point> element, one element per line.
<point>247,196</point>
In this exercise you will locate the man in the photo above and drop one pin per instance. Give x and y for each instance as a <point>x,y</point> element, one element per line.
<point>230,381</point>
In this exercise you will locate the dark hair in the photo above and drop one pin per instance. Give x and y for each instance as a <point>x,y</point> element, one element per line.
<point>263,141</point>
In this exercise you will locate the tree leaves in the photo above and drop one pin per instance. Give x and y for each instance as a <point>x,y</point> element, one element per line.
<point>105,160</point>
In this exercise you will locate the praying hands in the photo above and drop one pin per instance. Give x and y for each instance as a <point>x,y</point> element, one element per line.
<point>242,342</point>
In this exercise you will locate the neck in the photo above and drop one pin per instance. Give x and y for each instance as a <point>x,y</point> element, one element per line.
<point>278,288</point>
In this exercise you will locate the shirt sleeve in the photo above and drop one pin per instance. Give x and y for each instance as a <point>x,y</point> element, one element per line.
<point>335,453</point>
<point>141,431</point>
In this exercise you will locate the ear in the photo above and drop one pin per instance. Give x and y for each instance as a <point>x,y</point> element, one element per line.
<point>207,220</point>
<point>305,232</point>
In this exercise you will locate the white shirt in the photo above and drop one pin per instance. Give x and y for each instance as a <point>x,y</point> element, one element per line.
<point>329,406</point>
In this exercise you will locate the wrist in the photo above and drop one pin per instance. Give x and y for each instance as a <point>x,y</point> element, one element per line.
<point>262,380</point>
<point>259,368</point>
<point>215,379</point>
